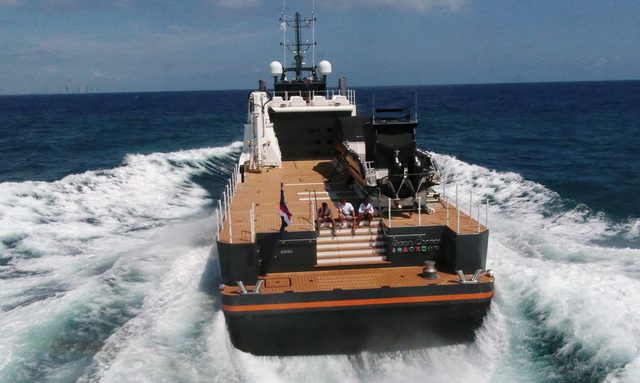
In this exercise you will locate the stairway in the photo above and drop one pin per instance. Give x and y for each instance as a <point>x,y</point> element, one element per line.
<point>344,249</point>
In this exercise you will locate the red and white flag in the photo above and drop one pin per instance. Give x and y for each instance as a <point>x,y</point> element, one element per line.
<point>285,214</point>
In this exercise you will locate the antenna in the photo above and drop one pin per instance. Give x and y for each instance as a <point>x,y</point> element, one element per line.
<point>299,48</point>
<point>415,92</point>
<point>313,33</point>
<point>374,105</point>
<point>283,26</point>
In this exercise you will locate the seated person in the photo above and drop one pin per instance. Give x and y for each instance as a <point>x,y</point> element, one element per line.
<point>324,215</point>
<point>347,213</point>
<point>365,211</point>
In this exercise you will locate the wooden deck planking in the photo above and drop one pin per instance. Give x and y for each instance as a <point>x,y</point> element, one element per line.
<point>301,177</point>
<point>351,279</point>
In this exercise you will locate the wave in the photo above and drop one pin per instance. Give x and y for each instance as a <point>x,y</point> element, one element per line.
<point>567,286</point>
<point>102,280</point>
<point>80,255</point>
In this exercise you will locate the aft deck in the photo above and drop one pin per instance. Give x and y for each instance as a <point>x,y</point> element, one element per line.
<point>254,205</point>
<point>352,279</point>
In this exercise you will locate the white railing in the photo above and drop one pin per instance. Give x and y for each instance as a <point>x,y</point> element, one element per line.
<point>224,204</point>
<point>329,94</point>
<point>447,203</point>
<point>246,223</point>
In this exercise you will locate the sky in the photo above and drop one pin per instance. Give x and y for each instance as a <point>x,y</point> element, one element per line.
<point>60,46</point>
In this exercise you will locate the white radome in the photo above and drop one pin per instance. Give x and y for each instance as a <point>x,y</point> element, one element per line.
<point>276,68</point>
<point>325,67</point>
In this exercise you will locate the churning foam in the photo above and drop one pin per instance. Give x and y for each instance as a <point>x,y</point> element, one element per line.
<point>111,262</point>
<point>571,302</point>
<point>80,255</point>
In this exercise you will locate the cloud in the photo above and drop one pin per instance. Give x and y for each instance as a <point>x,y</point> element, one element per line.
<point>8,3</point>
<point>413,5</point>
<point>236,4</point>
<point>65,5</point>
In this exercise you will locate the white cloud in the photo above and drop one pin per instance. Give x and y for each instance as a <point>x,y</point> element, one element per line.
<point>97,74</point>
<point>8,3</point>
<point>416,5</point>
<point>51,69</point>
<point>236,4</point>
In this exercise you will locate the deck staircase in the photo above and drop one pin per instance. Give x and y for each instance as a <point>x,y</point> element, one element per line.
<point>345,249</point>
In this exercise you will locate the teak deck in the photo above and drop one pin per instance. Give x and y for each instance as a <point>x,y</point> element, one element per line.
<point>351,279</point>
<point>305,180</point>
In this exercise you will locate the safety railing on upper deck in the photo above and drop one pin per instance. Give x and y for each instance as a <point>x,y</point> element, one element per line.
<point>456,214</point>
<point>224,203</point>
<point>474,210</point>
<point>242,225</point>
<point>328,97</point>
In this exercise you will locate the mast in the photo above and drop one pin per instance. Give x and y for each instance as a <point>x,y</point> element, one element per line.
<point>308,77</point>
<point>298,55</point>
<point>298,48</point>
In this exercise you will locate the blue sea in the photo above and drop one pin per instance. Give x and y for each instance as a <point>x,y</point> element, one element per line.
<point>107,272</point>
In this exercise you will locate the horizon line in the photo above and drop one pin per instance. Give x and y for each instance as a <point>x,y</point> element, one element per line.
<point>355,86</point>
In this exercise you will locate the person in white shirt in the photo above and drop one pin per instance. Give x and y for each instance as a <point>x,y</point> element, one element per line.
<point>347,213</point>
<point>365,211</point>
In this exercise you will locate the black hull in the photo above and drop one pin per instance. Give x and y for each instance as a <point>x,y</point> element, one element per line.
<point>347,331</point>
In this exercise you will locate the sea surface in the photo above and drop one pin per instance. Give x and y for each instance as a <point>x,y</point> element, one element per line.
<point>107,272</point>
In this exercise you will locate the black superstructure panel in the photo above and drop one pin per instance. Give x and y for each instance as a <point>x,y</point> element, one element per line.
<point>308,135</point>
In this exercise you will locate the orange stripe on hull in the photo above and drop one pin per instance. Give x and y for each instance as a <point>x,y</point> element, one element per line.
<point>357,302</point>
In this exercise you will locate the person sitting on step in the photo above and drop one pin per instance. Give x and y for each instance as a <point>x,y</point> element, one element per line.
<point>347,213</point>
<point>324,215</point>
<point>365,211</point>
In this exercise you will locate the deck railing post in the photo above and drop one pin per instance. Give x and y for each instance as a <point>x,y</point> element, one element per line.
<point>447,213</point>
<point>419,211</point>
<point>457,211</point>
<point>253,222</point>
<point>444,189</point>
<point>486,214</point>
<point>389,210</point>
<point>217,225</point>
<point>230,228</point>
<point>235,178</point>
<point>314,209</point>
<point>224,205</point>
<point>312,213</point>
<point>221,217</point>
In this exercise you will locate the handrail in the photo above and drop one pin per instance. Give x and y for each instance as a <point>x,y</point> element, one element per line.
<point>329,94</point>
<point>444,198</point>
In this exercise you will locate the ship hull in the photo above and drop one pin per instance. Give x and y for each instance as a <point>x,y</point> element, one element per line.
<point>339,322</point>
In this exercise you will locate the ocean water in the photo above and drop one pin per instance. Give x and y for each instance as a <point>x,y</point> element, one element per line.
<point>107,272</point>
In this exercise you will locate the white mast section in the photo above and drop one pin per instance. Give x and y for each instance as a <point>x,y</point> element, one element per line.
<point>313,33</point>
<point>283,26</point>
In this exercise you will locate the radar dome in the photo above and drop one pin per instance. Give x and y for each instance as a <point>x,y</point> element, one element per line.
<point>276,68</point>
<point>325,67</point>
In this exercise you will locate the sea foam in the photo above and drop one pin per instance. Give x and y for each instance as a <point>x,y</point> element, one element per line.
<point>122,252</point>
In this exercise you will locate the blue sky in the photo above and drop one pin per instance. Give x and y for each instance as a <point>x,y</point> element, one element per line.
<point>136,45</point>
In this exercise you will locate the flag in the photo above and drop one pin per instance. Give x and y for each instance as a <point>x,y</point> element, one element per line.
<point>285,214</point>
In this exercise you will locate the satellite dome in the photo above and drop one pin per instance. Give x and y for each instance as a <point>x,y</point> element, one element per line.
<point>325,67</point>
<point>276,68</point>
